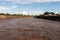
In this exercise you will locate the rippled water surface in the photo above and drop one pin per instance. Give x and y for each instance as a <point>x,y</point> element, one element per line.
<point>29,29</point>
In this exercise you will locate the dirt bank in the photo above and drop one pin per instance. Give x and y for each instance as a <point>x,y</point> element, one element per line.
<point>4,17</point>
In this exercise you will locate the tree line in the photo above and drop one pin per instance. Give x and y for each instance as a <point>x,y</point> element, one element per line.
<point>44,14</point>
<point>51,14</point>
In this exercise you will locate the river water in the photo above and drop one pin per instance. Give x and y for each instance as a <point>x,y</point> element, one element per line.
<point>29,29</point>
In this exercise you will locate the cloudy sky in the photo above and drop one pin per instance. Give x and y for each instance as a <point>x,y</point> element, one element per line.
<point>29,6</point>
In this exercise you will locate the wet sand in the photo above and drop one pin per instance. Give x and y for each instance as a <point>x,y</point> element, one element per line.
<point>29,29</point>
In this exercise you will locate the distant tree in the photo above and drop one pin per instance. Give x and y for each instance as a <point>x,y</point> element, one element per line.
<point>7,14</point>
<point>46,13</point>
<point>14,14</point>
<point>57,14</point>
<point>52,13</point>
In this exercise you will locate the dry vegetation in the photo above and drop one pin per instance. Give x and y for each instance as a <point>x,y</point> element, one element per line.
<point>4,17</point>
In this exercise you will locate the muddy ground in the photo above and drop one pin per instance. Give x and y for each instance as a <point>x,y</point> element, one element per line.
<point>29,29</point>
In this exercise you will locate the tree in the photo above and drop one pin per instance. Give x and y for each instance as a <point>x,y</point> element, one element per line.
<point>52,13</point>
<point>46,13</point>
<point>57,14</point>
<point>7,14</point>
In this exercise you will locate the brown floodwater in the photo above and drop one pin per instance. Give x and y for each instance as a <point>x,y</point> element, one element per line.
<point>29,29</point>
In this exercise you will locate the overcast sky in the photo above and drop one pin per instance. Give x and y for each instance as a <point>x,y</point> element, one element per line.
<point>29,6</point>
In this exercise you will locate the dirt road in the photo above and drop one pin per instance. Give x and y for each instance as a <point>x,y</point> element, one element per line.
<point>29,29</point>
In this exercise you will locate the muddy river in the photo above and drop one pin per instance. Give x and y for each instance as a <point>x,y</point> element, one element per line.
<point>29,29</point>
